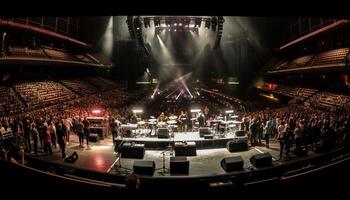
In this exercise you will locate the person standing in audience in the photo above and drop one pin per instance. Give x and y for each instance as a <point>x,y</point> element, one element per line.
<point>86,130</point>
<point>114,128</point>
<point>252,128</point>
<point>61,138</point>
<point>80,132</point>
<point>40,125</point>
<point>268,131</point>
<point>259,130</point>
<point>27,136</point>
<point>281,132</point>
<point>298,135</point>
<point>34,134</point>
<point>47,139</point>
<point>52,128</point>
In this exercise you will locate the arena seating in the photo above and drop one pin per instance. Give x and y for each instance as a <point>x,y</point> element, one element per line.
<point>79,86</point>
<point>330,57</point>
<point>330,100</point>
<point>60,55</point>
<point>9,101</point>
<point>26,52</point>
<point>102,83</point>
<point>43,93</point>
<point>86,58</point>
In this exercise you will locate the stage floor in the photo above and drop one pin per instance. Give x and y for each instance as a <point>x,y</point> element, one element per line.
<point>102,158</point>
<point>178,136</point>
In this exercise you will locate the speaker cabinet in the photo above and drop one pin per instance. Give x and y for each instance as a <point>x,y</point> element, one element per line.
<point>261,160</point>
<point>143,167</point>
<point>185,149</point>
<point>93,137</point>
<point>179,165</point>
<point>130,150</point>
<point>232,163</point>
<point>163,133</point>
<point>237,145</point>
<point>240,133</point>
<point>204,131</point>
<point>72,158</point>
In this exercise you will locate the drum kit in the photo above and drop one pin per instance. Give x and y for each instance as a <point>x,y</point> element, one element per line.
<point>149,127</point>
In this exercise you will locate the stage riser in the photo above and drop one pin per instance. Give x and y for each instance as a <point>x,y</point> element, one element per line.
<point>160,145</point>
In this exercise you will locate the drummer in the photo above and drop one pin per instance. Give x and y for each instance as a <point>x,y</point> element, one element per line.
<point>162,117</point>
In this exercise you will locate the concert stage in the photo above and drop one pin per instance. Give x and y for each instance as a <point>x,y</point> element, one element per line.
<point>153,142</point>
<point>102,158</point>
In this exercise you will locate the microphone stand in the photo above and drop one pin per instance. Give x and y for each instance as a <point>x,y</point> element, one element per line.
<point>119,166</point>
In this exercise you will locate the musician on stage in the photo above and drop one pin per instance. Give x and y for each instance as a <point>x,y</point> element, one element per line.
<point>182,119</point>
<point>162,117</point>
<point>134,119</point>
<point>201,119</point>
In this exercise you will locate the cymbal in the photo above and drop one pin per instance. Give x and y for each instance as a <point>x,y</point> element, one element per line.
<point>141,122</point>
<point>171,122</point>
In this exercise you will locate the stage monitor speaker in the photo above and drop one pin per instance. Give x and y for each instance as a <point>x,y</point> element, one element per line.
<point>72,158</point>
<point>210,136</point>
<point>240,133</point>
<point>179,165</point>
<point>93,137</point>
<point>232,163</point>
<point>163,133</point>
<point>204,131</point>
<point>130,150</point>
<point>237,145</point>
<point>261,160</point>
<point>144,167</point>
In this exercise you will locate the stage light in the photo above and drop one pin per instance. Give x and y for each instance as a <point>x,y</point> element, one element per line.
<point>214,23</point>
<point>175,24</point>
<point>180,24</point>
<point>198,22</point>
<point>137,111</point>
<point>157,22</point>
<point>207,23</point>
<point>138,28</point>
<point>175,30</point>
<point>186,26</point>
<point>229,111</point>
<point>96,111</point>
<point>146,22</point>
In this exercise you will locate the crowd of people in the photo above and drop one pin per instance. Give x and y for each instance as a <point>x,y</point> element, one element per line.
<point>50,127</point>
<point>297,125</point>
<point>301,126</point>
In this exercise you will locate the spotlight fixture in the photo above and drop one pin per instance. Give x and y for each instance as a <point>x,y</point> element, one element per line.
<point>157,22</point>
<point>146,22</point>
<point>137,111</point>
<point>194,110</point>
<point>207,23</point>
<point>198,22</point>
<point>229,111</point>
<point>214,23</point>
